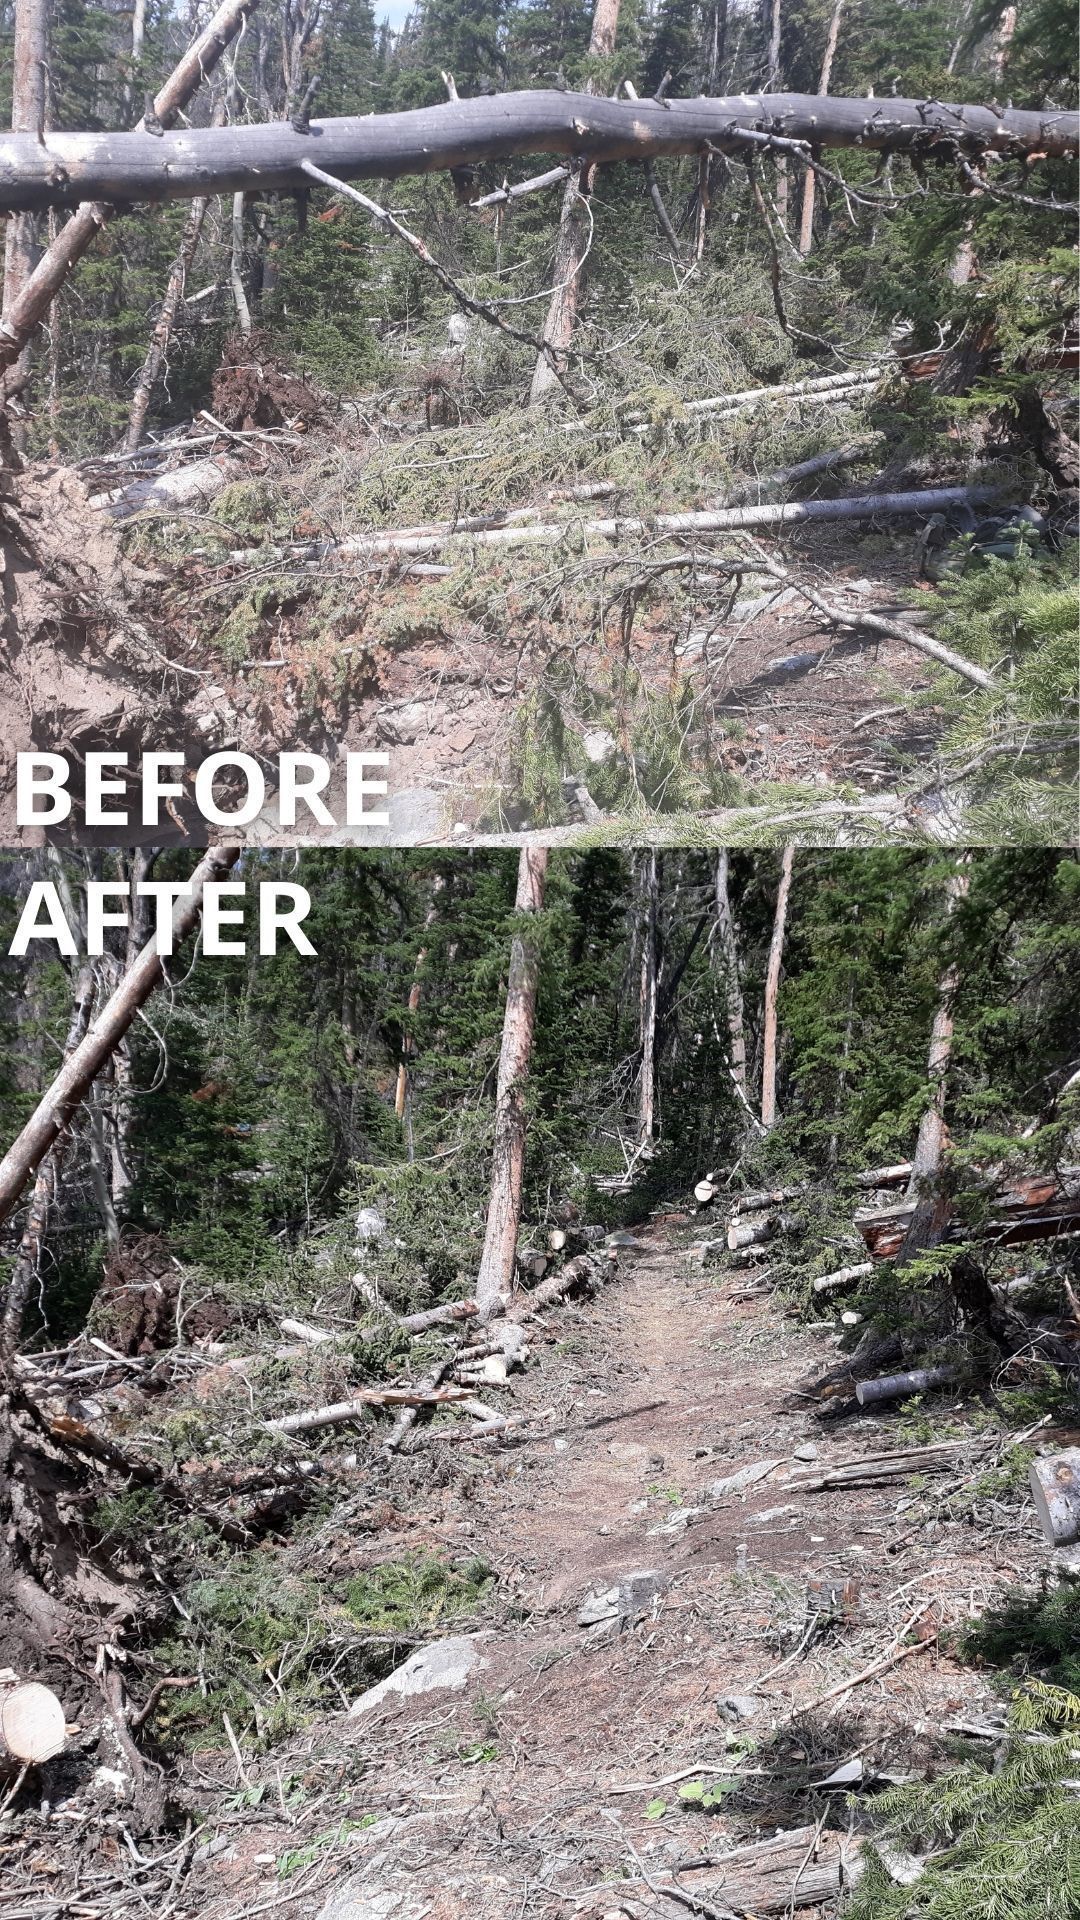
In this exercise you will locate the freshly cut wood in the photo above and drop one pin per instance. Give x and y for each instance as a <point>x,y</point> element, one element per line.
<point>268,156</point>
<point>1055,1487</point>
<point>752,1234</point>
<point>556,1240</point>
<point>311,1336</point>
<point>897,1386</point>
<point>345,1410</point>
<point>843,1277</point>
<point>765,1197</point>
<point>824,384</point>
<point>584,1272</point>
<point>32,1723</point>
<point>704,1192</point>
<point>60,1103</point>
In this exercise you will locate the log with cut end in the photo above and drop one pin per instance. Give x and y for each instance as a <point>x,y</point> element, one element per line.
<point>584,1272</point>
<point>895,1176</point>
<point>32,1723</point>
<point>898,1386</point>
<point>64,168</point>
<point>704,1192</point>
<point>1055,1487</point>
<point>772,1197</point>
<point>843,1277</point>
<point>1024,1207</point>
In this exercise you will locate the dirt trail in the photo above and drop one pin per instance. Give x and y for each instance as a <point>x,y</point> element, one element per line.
<point>526,1793</point>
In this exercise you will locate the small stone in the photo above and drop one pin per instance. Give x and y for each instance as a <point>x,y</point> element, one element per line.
<point>807,1451</point>
<point>636,1592</point>
<point>444,1664</point>
<point>401,725</point>
<point>737,1706</point>
<point>599,746</point>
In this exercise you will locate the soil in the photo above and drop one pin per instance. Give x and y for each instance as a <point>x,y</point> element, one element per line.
<point>547,1787</point>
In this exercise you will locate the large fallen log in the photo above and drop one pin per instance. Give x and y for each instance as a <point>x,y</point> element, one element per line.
<point>802,1868</point>
<point>721,520</point>
<point>900,1386</point>
<point>64,168</point>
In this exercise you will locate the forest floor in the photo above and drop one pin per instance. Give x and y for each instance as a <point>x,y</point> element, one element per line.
<point>548,1786</point>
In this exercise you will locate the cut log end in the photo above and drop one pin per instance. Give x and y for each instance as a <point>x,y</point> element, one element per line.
<point>1055,1487</point>
<point>32,1723</point>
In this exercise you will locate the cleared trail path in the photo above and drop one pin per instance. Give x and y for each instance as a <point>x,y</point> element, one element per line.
<point>548,1785</point>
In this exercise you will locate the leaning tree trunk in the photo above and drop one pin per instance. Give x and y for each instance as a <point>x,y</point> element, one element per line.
<point>28,78</point>
<point>649,935</point>
<point>727,948</point>
<point>37,294</point>
<point>573,240</point>
<point>806,225</point>
<point>495,1279</point>
<point>59,1105</point>
<point>163,326</point>
<point>772,987</point>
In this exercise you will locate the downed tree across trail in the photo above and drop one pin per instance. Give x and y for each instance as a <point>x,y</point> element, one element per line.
<point>65,168</point>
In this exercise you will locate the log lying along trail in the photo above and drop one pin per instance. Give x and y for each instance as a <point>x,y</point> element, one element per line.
<point>66,168</point>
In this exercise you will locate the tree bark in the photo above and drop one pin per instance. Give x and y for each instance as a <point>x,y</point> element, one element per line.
<point>37,294</point>
<point>649,933</point>
<point>728,949</point>
<point>403,1090</point>
<point>806,225</point>
<point>772,985</point>
<point>28,79</point>
<point>1055,1486</point>
<point>926,1159</point>
<point>58,1106</point>
<point>267,158</point>
<point>495,1279</point>
<point>573,238</point>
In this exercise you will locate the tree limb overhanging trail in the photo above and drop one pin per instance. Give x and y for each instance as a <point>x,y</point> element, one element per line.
<point>121,168</point>
<point>38,292</point>
<point>58,1106</point>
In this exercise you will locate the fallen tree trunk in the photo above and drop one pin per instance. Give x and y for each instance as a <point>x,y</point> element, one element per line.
<point>898,1386</point>
<point>1030,1207</point>
<point>843,1277</point>
<point>1055,1487</point>
<point>172,492</point>
<point>722,520</point>
<point>126,167</point>
<point>344,1410</point>
<point>59,1105</point>
<point>438,1316</point>
<point>582,1272</point>
<point>802,1868</point>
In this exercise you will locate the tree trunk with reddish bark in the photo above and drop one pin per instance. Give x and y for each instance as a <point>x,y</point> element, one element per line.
<point>772,987</point>
<point>495,1279</point>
